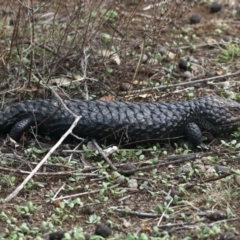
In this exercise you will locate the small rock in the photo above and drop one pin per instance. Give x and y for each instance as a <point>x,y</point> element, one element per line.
<point>187,74</point>
<point>129,167</point>
<point>215,7</point>
<point>133,184</point>
<point>186,168</point>
<point>102,230</point>
<point>153,61</point>
<point>184,65</point>
<point>171,55</point>
<point>222,169</point>
<point>56,236</point>
<point>126,86</point>
<point>194,19</point>
<point>88,210</point>
<point>227,38</point>
<point>217,215</point>
<point>126,224</point>
<point>145,58</point>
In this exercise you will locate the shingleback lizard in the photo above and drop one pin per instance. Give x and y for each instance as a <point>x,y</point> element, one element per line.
<point>123,122</point>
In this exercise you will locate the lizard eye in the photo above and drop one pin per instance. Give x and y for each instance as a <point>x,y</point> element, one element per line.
<point>236,110</point>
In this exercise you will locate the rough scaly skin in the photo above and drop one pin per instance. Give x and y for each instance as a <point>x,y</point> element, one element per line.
<point>124,121</point>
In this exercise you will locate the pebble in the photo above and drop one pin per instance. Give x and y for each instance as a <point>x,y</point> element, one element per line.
<point>227,38</point>
<point>217,215</point>
<point>184,65</point>
<point>222,169</point>
<point>103,230</point>
<point>126,86</point>
<point>145,58</point>
<point>194,19</point>
<point>153,61</point>
<point>133,184</point>
<point>186,168</point>
<point>56,236</point>
<point>187,74</point>
<point>129,167</point>
<point>215,7</point>
<point>126,224</point>
<point>171,55</point>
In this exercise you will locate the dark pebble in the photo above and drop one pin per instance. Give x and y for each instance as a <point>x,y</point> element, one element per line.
<point>56,236</point>
<point>227,39</point>
<point>88,210</point>
<point>217,215</point>
<point>194,19</point>
<point>129,167</point>
<point>102,230</point>
<point>184,65</point>
<point>126,86</point>
<point>215,7</point>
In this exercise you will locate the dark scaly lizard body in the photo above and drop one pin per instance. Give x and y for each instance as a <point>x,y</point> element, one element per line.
<point>123,121</point>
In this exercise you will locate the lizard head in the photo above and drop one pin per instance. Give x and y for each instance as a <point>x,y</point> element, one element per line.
<point>220,113</point>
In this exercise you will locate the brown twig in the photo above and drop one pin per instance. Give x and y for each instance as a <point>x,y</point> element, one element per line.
<point>138,214</point>
<point>13,170</point>
<point>181,84</point>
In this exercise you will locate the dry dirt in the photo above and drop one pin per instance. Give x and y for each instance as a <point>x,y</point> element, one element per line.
<point>132,56</point>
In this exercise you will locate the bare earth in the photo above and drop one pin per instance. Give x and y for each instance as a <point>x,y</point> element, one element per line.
<point>130,51</point>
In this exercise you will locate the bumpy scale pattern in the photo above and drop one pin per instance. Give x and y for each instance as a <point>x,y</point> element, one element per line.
<point>123,121</point>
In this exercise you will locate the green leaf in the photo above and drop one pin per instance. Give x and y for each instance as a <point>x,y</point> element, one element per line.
<point>39,151</point>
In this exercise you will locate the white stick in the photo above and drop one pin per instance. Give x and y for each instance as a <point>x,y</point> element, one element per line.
<point>20,187</point>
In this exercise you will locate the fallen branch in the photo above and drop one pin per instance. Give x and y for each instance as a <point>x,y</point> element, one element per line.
<point>138,214</point>
<point>12,170</point>
<point>20,187</point>
<point>104,155</point>
<point>181,84</point>
<point>84,193</point>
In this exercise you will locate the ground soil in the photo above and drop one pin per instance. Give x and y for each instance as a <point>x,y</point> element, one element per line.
<point>187,199</point>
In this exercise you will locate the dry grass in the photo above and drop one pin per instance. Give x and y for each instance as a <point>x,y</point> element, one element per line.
<point>107,50</point>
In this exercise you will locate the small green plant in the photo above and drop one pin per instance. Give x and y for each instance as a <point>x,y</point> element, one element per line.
<point>7,180</point>
<point>94,219</point>
<point>232,145</point>
<point>232,52</point>
<point>209,232</point>
<point>164,208</point>
<point>109,15</point>
<point>28,209</point>
<point>88,153</point>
